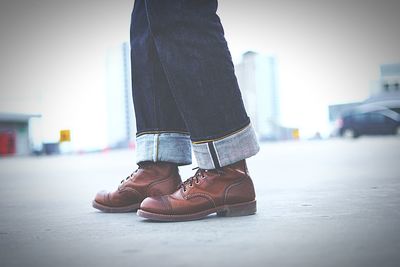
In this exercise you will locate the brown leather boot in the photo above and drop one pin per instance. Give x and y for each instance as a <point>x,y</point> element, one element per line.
<point>150,179</point>
<point>228,192</point>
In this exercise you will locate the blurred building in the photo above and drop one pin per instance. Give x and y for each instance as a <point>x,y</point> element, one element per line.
<point>336,111</point>
<point>257,78</point>
<point>385,93</point>
<point>389,80</point>
<point>121,121</point>
<point>15,134</point>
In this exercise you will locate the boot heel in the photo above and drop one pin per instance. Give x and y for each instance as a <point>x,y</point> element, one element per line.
<point>241,209</point>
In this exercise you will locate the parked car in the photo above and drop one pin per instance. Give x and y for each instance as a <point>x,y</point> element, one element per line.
<point>370,120</point>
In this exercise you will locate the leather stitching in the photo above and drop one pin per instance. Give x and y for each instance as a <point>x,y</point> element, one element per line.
<point>156,182</point>
<point>130,189</point>
<point>231,186</point>
<point>167,204</point>
<point>202,195</point>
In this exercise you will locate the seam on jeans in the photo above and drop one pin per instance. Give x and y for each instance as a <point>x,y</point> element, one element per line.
<point>156,145</point>
<point>160,132</point>
<point>209,153</point>
<point>153,154</point>
<point>154,90</point>
<point>214,156</point>
<point>222,137</point>
<point>167,75</point>
<point>216,153</point>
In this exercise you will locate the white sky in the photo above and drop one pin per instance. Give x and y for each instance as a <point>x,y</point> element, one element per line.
<point>53,55</point>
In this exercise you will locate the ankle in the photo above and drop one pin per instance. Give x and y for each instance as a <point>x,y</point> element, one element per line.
<point>240,165</point>
<point>159,165</point>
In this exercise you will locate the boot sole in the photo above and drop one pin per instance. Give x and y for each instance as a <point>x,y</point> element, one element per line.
<point>233,210</point>
<point>129,208</point>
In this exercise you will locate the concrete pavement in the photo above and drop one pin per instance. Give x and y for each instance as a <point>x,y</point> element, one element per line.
<point>320,203</point>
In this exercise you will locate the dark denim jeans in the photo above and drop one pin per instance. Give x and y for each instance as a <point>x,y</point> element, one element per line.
<point>184,87</point>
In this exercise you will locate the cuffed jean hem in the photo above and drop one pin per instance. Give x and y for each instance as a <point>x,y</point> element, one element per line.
<point>168,147</point>
<point>212,154</point>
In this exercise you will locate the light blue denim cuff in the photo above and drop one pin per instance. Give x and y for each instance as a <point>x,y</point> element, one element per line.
<point>212,154</point>
<point>169,147</point>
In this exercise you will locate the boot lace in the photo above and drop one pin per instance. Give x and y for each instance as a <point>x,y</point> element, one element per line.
<point>200,173</point>
<point>195,178</point>
<point>127,179</point>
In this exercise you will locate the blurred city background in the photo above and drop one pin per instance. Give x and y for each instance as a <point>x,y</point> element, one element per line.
<point>319,79</point>
<point>309,70</point>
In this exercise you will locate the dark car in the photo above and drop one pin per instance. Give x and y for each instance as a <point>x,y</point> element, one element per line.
<point>370,121</point>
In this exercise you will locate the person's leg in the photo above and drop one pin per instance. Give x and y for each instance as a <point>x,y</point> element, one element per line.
<point>162,141</point>
<point>193,52</point>
<point>191,47</point>
<point>161,132</point>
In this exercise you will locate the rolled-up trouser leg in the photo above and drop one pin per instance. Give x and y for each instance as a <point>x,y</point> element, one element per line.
<point>190,44</point>
<point>161,132</point>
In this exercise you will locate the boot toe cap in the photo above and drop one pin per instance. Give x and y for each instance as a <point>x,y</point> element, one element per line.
<point>157,205</point>
<point>101,197</point>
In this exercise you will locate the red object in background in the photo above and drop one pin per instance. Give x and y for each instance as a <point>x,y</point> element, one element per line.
<point>7,143</point>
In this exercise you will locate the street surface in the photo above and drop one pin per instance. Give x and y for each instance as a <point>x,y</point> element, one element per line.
<point>320,203</point>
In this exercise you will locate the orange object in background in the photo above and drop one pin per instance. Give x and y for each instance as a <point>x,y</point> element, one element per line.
<point>65,135</point>
<point>296,134</point>
<point>7,143</point>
